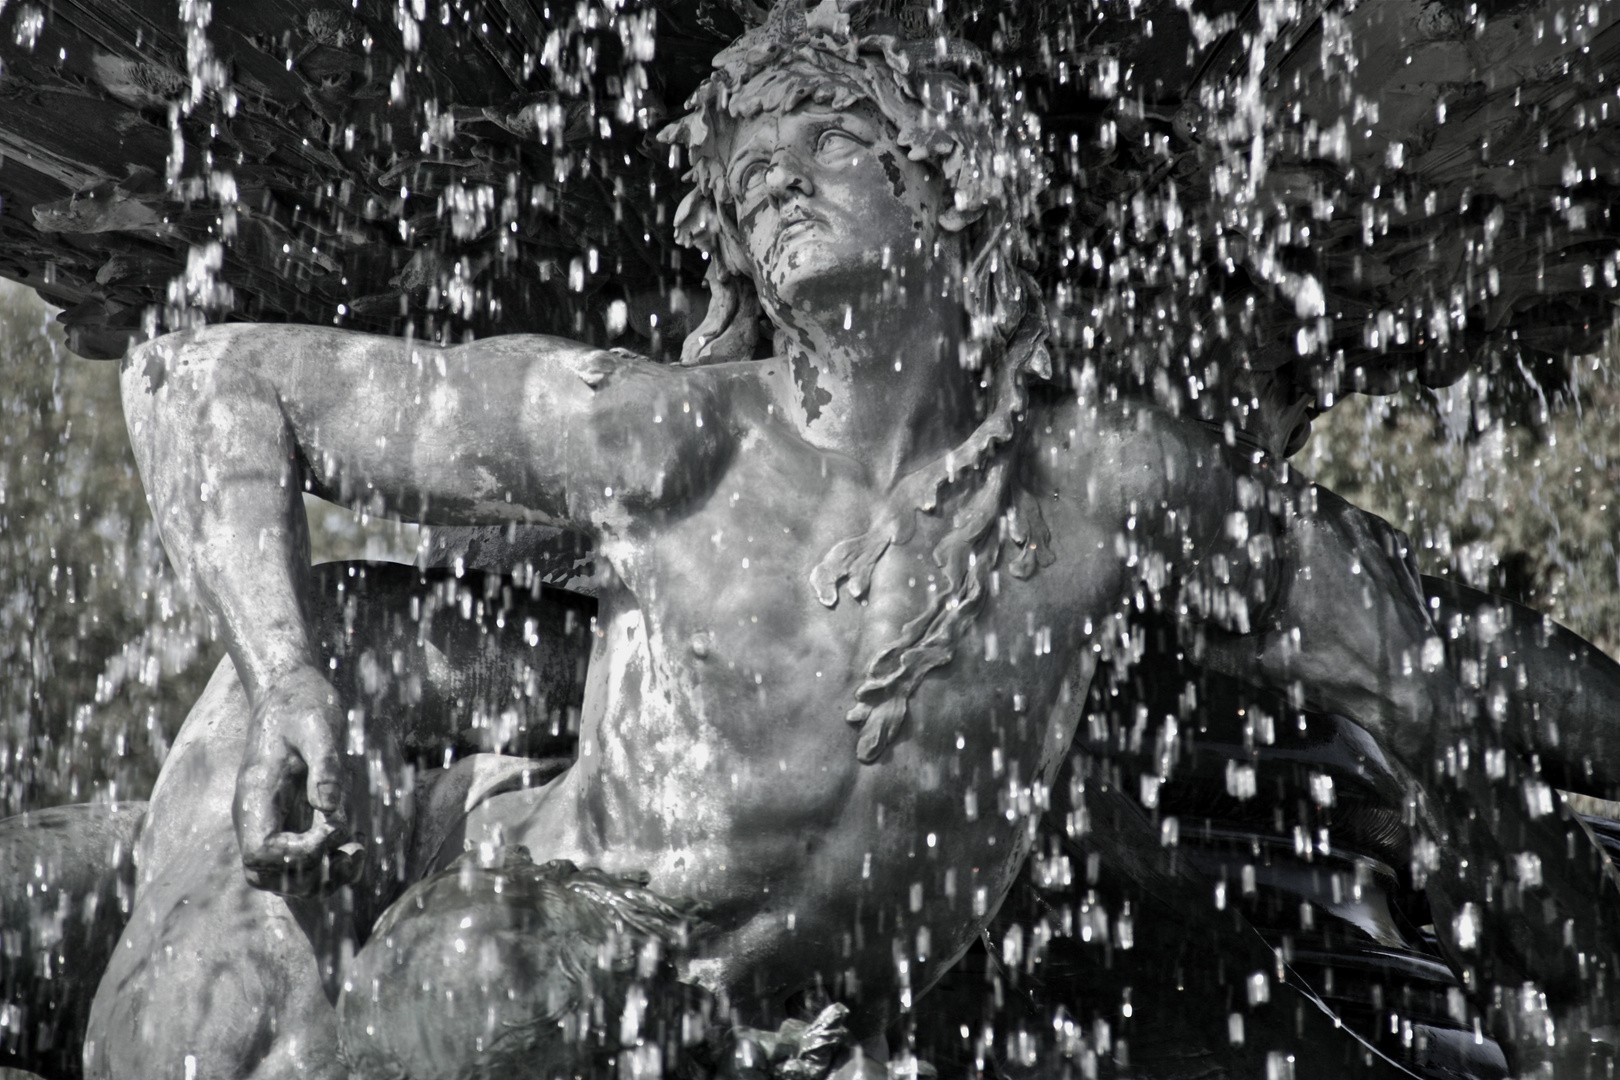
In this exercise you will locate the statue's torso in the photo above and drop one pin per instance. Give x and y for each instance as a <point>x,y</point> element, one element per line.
<point>714,750</point>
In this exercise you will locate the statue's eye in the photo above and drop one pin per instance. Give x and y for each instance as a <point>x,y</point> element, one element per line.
<point>836,144</point>
<point>749,179</point>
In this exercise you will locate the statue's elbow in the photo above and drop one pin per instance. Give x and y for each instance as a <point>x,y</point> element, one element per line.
<point>150,366</point>
<point>1416,711</point>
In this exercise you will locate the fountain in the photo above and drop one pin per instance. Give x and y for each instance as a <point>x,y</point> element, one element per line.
<point>1252,212</point>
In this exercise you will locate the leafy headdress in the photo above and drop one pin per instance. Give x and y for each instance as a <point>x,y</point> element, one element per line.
<point>954,110</point>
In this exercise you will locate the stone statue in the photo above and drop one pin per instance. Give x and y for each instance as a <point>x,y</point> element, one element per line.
<point>855,558</point>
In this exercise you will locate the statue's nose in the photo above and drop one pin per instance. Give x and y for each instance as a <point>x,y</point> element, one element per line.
<point>787,175</point>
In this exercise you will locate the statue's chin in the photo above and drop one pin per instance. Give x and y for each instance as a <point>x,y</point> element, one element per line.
<point>810,285</point>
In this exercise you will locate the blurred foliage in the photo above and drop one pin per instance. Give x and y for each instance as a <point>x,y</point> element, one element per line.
<point>1526,505</point>
<point>101,652</point>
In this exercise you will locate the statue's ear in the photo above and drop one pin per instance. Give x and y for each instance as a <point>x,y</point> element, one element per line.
<point>952,219</point>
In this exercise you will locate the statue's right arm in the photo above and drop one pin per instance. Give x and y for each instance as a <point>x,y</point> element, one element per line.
<point>231,425</point>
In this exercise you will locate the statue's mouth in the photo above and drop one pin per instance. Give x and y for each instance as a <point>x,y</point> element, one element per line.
<point>792,222</point>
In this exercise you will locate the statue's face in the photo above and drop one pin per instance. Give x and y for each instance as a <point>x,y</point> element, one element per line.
<point>831,208</point>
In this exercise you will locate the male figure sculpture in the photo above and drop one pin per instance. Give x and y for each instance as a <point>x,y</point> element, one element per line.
<point>857,589</point>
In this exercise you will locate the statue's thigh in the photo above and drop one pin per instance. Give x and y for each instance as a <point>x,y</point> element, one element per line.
<point>239,979</point>
<point>212,979</point>
<point>207,968</point>
<point>190,809</point>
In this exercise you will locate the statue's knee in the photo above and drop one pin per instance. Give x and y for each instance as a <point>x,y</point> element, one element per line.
<point>200,999</point>
<point>139,1018</point>
<point>482,968</point>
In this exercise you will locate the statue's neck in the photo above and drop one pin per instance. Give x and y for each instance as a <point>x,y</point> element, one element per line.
<point>883,387</point>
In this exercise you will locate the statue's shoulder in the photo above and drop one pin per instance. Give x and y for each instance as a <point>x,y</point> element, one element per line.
<point>1115,447</point>
<point>1083,427</point>
<point>740,387</point>
<point>622,379</point>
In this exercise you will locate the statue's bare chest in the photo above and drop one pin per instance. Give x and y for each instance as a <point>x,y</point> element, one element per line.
<point>733,618</point>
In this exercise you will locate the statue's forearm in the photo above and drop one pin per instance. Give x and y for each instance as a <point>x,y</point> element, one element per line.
<point>1554,693</point>
<point>221,470</point>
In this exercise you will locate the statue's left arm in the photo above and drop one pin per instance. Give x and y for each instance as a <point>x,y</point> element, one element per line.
<point>1289,586</point>
<point>1347,624</point>
<point>1344,627</point>
<point>1298,590</point>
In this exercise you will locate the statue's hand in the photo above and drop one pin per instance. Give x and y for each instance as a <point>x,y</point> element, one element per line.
<point>291,812</point>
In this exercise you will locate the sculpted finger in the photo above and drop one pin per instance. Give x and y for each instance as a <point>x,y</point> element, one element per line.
<point>255,809</point>
<point>297,849</point>
<point>324,788</point>
<point>289,862</point>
